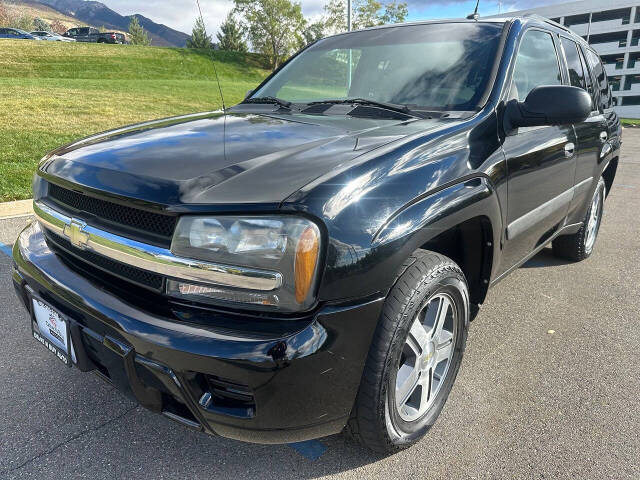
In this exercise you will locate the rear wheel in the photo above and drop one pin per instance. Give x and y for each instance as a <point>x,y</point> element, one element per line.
<point>415,355</point>
<point>579,246</point>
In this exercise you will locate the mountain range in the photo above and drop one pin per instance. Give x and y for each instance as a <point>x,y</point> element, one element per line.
<point>98,14</point>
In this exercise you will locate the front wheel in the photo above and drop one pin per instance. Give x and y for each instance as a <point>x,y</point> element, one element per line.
<point>415,354</point>
<point>579,246</point>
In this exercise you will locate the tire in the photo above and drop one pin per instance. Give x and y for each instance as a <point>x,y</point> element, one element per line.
<point>579,246</point>
<point>382,419</point>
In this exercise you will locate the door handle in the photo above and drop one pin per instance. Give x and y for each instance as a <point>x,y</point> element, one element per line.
<point>603,136</point>
<point>569,149</point>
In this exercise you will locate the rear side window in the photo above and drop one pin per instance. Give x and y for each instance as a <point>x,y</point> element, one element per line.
<point>536,64</point>
<point>600,78</point>
<point>576,73</point>
<point>83,31</point>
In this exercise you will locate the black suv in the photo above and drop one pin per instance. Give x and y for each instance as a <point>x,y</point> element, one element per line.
<point>311,258</point>
<point>93,35</point>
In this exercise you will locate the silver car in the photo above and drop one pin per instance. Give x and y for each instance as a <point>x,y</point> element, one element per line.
<point>52,37</point>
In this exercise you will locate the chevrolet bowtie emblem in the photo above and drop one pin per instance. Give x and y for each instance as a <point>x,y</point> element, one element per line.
<point>74,231</point>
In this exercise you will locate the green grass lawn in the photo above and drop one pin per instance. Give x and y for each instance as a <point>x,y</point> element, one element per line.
<point>52,93</point>
<point>630,121</point>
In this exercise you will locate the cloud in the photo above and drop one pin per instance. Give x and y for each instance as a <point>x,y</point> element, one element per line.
<point>181,14</point>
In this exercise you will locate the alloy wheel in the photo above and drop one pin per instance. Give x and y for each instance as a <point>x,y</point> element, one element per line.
<point>593,223</point>
<point>426,357</point>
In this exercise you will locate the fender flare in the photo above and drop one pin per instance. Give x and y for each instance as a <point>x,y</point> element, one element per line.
<point>425,218</point>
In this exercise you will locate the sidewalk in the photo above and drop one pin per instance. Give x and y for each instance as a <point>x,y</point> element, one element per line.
<point>16,209</point>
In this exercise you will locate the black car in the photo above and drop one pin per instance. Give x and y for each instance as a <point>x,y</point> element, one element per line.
<point>93,35</point>
<point>310,259</point>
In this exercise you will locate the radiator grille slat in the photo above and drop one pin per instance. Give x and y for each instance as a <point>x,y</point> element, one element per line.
<point>154,223</point>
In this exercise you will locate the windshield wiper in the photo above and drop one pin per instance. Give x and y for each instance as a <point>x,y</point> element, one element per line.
<point>275,100</point>
<point>373,103</point>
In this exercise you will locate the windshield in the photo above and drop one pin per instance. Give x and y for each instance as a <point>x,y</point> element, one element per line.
<point>443,66</point>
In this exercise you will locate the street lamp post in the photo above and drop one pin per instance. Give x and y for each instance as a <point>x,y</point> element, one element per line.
<point>350,58</point>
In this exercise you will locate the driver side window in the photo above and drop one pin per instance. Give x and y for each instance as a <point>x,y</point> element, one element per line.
<point>536,64</point>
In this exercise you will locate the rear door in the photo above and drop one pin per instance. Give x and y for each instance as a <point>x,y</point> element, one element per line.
<point>83,34</point>
<point>591,134</point>
<point>540,160</point>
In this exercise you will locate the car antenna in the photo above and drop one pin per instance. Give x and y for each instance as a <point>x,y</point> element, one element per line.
<point>474,15</point>
<point>215,71</point>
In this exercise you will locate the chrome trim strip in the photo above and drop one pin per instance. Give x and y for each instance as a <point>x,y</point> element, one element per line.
<point>530,219</point>
<point>156,259</point>
<point>582,187</point>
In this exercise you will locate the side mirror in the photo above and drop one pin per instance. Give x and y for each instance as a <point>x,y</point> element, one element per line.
<point>249,92</point>
<point>548,105</point>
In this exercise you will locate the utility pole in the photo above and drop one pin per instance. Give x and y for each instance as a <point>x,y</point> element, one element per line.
<point>350,59</point>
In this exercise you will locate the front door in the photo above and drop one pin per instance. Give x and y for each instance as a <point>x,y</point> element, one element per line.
<point>540,160</point>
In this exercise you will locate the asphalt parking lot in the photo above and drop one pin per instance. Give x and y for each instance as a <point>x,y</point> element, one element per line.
<point>549,387</point>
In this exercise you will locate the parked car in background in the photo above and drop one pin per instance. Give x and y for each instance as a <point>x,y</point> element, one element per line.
<point>93,35</point>
<point>16,34</point>
<point>51,37</point>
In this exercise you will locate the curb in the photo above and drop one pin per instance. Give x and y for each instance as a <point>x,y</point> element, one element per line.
<point>16,209</point>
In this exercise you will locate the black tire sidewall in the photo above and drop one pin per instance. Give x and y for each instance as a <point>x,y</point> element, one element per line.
<point>399,430</point>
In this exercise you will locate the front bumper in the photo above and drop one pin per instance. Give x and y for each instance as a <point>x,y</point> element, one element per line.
<point>260,386</point>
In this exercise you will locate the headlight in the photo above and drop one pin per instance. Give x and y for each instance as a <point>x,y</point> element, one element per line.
<point>284,247</point>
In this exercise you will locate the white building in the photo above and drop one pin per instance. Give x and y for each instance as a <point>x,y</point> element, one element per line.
<point>613,30</point>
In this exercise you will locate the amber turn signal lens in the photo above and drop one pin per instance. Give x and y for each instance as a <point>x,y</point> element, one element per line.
<point>306,259</point>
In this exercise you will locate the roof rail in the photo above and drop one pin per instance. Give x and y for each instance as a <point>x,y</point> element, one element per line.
<point>546,20</point>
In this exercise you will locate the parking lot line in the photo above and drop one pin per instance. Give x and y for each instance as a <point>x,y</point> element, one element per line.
<point>311,449</point>
<point>6,249</point>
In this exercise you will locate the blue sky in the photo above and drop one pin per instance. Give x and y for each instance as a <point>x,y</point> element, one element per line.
<point>180,14</point>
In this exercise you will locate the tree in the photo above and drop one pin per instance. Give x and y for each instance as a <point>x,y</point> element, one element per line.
<point>231,35</point>
<point>41,25</point>
<point>58,27</point>
<point>366,13</point>
<point>199,37</point>
<point>137,34</point>
<point>23,21</point>
<point>394,13</point>
<point>314,32</point>
<point>274,27</point>
<point>5,18</point>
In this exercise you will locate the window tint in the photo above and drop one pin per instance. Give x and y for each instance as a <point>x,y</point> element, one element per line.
<point>433,66</point>
<point>600,78</point>
<point>536,64</point>
<point>83,31</point>
<point>576,73</point>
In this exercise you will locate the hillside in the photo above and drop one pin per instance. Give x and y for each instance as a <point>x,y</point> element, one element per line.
<point>53,93</point>
<point>37,9</point>
<point>97,14</point>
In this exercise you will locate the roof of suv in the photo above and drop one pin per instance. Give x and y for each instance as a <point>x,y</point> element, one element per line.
<point>502,19</point>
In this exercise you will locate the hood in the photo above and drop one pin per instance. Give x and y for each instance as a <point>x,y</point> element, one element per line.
<point>216,158</point>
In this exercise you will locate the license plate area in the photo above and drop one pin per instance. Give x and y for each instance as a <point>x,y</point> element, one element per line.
<point>52,330</point>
